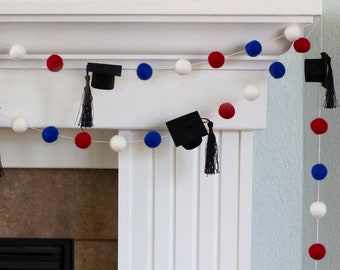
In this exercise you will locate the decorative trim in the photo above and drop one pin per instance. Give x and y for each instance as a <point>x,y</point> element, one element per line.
<point>130,62</point>
<point>232,7</point>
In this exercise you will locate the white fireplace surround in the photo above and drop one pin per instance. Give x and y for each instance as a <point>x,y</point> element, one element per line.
<point>171,216</point>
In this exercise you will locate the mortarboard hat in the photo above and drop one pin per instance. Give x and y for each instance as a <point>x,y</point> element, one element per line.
<point>103,75</point>
<point>320,70</point>
<point>187,130</point>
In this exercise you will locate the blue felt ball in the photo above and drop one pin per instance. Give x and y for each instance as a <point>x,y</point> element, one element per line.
<point>277,70</point>
<point>50,134</point>
<point>319,171</point>
<point>152,139</point>
<point>253,48</point>
<point>144,71</point>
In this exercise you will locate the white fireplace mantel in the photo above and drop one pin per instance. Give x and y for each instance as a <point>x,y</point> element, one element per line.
<point>171,215</point>
<point>157,32</point>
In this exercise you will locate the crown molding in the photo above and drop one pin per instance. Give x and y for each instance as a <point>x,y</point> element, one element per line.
<point>186,7</point>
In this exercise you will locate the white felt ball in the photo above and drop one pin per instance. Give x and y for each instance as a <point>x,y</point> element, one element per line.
<point>251,92</point>
<point>19,124</point>
<point>318,209</point>
<point>118,143</point>
<point>292,33</point>
<point>17,51</point>
<point>183,67</point>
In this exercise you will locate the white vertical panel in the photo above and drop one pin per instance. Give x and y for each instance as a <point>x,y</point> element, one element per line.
<point>229,159</point>
<point>245,200</point>
<point>164,205</point>
<point>186,230</point>
<point>136,191</point>
<point>174,217</point>
<point>124,209</point>
<point>209,217</point>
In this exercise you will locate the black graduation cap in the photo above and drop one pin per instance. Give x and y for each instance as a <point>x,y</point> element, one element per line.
<point>103,75</point>
<point>188,130</point>
<point>320,70</point>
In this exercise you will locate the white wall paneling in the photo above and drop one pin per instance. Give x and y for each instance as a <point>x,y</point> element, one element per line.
<point>46,98</point>
<point>173,216</point>
<point>28,150</point>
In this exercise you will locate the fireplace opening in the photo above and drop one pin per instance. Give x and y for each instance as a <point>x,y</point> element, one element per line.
<point>36,254</point>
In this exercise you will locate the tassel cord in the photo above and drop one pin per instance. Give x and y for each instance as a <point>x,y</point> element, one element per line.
<point>211,156</point>
<point>330,97</point>
<point>86,118</point>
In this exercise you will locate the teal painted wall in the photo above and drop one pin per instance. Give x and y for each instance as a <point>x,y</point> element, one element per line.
<point>278,173</point>
<point>284,153</point>
<point>326,38</point>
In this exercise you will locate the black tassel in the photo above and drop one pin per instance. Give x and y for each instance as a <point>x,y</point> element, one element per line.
<point>328,83</point>
<point>211,152</point>
<point>2,173</point>
<point>86,118</point>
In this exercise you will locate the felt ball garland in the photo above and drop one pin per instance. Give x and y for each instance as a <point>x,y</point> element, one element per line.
<point>226,110</point>
<point>318,209</point>
<point>54,63</point>
<point>17,51</point>
<point>144,71</point>
<point>319,126</point>
<point>317,251</point>
<point>152,139</point>
<point>292,32</point>
<point>50,134</point>
<point>251,92</point>
<point>118,143</point>
<point>253,48</point>
<point>216,59</point>
<point>277,70</point>
<point>319,171</point>
<point>183,67</point>
<point>302,45</point>
<point>83,140</point>
<point>19,124</point>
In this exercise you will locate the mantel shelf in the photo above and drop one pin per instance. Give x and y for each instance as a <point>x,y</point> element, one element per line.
<point>155,28</point>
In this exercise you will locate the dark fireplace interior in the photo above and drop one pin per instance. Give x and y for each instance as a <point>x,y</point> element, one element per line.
<point>77,205</point>
<point>36,254</point>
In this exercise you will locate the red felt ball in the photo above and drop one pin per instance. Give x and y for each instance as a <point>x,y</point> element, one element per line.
<point>302,45</point>
<point>54,63</point>
<point>226,110</point>
<point>317,251</point>
<point>319,126</point>
<point>216,59</point>
<point>83,140</point>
